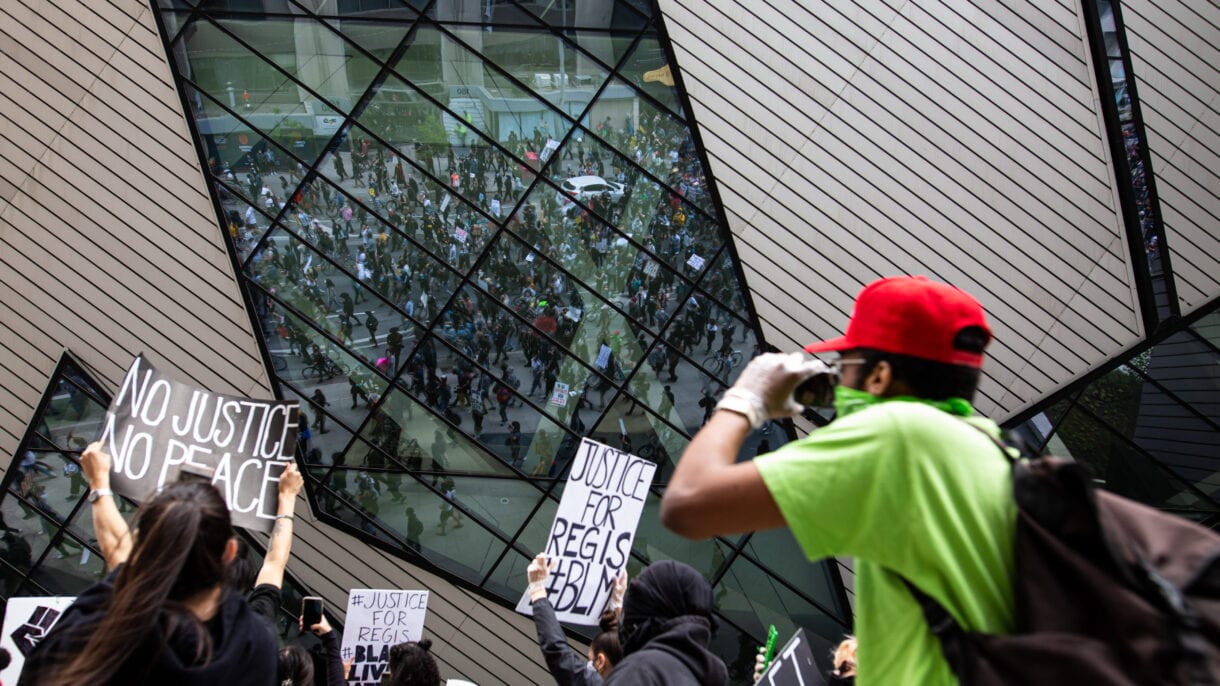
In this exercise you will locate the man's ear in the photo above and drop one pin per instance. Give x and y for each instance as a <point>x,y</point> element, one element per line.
<point>879,379</point>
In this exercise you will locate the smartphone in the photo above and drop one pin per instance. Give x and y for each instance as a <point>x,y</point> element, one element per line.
<point>311,611</point>
<point>772,638</point>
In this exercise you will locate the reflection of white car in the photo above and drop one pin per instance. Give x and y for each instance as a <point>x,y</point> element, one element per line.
<point>584,188</point>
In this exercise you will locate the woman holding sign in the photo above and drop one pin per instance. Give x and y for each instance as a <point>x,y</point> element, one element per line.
<point>163,615</point>
<point>566,665</point>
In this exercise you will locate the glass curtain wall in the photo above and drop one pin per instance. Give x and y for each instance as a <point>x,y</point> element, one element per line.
<point>48,544</point>
<point>472,233</point>
<point>1148,429</point>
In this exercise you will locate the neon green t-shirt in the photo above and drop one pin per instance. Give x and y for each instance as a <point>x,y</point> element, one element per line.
<point>906,489</point>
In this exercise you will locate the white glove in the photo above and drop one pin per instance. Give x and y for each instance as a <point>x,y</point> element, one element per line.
<point>537,572</point>
<point>618,591</point>
<point>764,389</point>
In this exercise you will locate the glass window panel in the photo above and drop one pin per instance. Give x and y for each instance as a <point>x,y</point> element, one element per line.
<point>312,359</point>
<point>385,10</point>
<point>1120,467</point>
<point>346,229</point>
<point>73,417</point>
<point>653,215</point>
<point>629,427</point>
<point>648,70</point>
<point>695,392</point>
<point>312,53</point>
<point>277,106</point>
<point>721,283</point>
<point>68,568</point>
<point>777,551</point>
<point>400,418</point>
<point>753,599</point>
<point>618,14</point>
<point>378,38</point>
<point>477,91</point>
<point>400,115</point>
<point>25,540</point>
<point>1175,364</point>
<point>444,533</point>
<point>654,542</point>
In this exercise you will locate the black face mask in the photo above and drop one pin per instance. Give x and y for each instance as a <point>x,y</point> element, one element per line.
<point>846,680</point>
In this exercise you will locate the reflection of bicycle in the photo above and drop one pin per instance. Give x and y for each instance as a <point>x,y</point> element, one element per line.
<point>721,364</point>
<point>324,369</point>
<point>279,362</point>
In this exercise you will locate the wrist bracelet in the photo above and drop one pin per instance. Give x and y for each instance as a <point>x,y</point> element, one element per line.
<point>283,516</point>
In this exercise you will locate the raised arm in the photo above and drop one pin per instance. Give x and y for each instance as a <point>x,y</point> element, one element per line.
<point>113,536</point>
<point>280,546</point>
<point>712,494</point>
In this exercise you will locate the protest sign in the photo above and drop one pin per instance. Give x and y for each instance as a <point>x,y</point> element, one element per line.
<point>495,207</point>
<point>591,536</point>
<point>26,621</point>
<point>695,262</point>
<point>377,620</point>
<point>460,233</point>
<point>603,357</point>
<point>156,428</point>
<point>793,665</point>
<point>559,397</point>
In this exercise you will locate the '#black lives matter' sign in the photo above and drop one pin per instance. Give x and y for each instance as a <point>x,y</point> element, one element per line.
<point>156,428</point>
<point>591,536</point>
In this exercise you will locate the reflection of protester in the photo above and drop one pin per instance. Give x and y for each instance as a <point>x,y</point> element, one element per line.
<point>566,665</point>
<point>318,400</point>
<point>448,510</point>
<point>415,529</point>
<point>905,461</point>
<point>514,444</point>
<point>666,628</point>
<point>145,622</point>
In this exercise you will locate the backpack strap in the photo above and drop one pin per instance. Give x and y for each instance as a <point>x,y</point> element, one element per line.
<point>942,625</point>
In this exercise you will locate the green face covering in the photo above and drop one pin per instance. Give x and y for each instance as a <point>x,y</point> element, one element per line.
<point>852,400</point>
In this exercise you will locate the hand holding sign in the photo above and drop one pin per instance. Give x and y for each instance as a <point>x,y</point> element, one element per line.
<point>95,463</point>
<point>537,573</point>
<point>591,536</point>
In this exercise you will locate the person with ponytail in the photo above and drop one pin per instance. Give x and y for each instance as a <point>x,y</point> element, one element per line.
<point>411,664</point>
<point>164,614</point>
<point>566,665</point>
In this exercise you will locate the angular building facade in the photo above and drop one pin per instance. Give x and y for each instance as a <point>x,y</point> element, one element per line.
<point>465,235</point>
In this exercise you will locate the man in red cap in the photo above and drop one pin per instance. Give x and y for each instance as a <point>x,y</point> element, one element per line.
<point>905,479</point>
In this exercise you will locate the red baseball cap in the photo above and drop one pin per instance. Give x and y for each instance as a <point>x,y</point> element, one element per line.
<point>911,315</point>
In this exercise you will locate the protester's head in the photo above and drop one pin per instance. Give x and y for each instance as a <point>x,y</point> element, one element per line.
<point>912,336</point>
<point>665,593</point>
<point>606,651</point>
<point>411,664</point>
<point>295,666</point>
<point>5,659</point>
<point>183,544</point>
<point>844,659</point>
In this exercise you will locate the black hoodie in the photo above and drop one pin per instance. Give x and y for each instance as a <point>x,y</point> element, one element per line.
<point>243,643</point>
<point>666,629</point>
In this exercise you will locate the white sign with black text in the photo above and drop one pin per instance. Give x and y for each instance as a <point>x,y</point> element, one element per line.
<point>157,428</point>
<point>594,526</point>
<point>377,620</point>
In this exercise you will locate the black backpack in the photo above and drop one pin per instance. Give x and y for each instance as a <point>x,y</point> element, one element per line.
<point>1108,592</point>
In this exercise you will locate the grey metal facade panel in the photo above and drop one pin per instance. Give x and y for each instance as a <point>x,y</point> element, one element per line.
<point>1175,53</point>
<point>109,247</point>
<point>855,140</point>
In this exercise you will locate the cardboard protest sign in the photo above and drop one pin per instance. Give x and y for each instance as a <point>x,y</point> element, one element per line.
<point>26,621</point>
<point>156,428</point>
<point>793,665</point>
<point>695,262</point>
<point>377,620</point>
<point>593,530</point>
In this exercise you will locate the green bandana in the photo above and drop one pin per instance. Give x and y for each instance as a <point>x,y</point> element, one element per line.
<point>852,400</point>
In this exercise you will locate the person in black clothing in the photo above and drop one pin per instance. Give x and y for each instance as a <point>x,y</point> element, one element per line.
<point>163,614</point>
<point>370,323</point>
<point>666,628</point>
<point>565,664</point>
<point>318,400</point>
